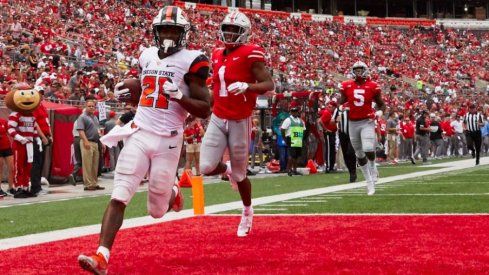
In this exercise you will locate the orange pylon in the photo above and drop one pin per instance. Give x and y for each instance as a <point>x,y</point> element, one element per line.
<point>312,167</point>
<point>186,179</point>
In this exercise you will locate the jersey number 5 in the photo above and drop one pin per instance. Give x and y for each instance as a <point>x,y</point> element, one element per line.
<point>153,95</point>
<point>358,94</point>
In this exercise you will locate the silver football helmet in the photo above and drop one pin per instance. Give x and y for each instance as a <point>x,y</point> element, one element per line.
<point>235,29</point>
<point>360,70</point>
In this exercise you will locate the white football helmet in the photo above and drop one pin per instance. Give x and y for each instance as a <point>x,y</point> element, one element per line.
<point>360,70</point>
<point>238,37</point>
<point>171,16</point>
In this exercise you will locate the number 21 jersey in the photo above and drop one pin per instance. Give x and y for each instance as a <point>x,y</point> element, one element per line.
<point>156,112</point>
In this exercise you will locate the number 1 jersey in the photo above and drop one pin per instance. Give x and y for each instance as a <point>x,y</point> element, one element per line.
<point>231,68</point>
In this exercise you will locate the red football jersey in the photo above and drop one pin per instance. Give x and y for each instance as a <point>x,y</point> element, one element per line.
<point>235,67</point>
<point>360,98</point>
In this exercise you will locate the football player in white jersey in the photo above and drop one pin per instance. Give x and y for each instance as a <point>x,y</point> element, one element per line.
<point>173,85</point>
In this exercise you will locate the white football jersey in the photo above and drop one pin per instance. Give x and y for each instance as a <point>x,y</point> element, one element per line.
<point>156,112</point>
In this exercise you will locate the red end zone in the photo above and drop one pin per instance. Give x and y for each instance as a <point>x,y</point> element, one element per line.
<point>278,245</point>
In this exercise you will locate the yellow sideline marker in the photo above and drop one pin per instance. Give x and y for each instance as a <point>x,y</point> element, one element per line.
<point>198,194</point>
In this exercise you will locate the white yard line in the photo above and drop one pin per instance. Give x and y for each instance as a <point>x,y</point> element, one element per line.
<point>212,209</point>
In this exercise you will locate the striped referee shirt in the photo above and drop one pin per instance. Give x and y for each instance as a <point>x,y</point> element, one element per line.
<point>473,121</point>
<point>343,125</point>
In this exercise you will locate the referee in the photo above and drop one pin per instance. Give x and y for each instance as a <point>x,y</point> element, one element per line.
<point>472,124</point>
<point>345,143</point>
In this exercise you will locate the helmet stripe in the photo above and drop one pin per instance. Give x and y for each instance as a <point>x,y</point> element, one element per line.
<point>168,15</point>
<point>234,15</point>
<point>174,14</point>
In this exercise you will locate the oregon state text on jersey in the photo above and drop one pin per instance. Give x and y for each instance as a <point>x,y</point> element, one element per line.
<point>156,112</point>
<point>229,69</point>
<point>360,98</point>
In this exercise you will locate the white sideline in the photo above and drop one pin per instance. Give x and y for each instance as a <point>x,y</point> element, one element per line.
<point>75,232</point>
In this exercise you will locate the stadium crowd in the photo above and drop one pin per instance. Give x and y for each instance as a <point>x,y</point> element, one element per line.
<point>76,50</point>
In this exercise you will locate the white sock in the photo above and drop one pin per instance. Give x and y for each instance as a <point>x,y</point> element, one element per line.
<point>371,165</point>
<point>247,210</point>
<point>105,252</point>
<point>366,172</point>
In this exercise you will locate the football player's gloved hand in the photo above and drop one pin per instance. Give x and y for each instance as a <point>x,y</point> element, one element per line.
<point>172,90</point>
<point>121,93</point>
<point>238,88</point>
<point>21,139</point>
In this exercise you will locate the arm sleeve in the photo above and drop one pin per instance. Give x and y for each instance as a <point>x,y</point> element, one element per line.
<point>80,124</point>
<point>376,89</point>
<point>285,125</point>
<point>200,67</point>
<point>341,87</point>
<point>13,121</point>
<point>256,54</point>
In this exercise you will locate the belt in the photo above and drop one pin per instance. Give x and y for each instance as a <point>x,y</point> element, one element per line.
<point>92,140</point>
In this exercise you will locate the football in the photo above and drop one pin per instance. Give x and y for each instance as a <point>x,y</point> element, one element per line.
<point>134,86</point>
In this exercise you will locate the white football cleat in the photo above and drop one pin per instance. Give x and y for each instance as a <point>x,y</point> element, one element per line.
<point>244,227</point>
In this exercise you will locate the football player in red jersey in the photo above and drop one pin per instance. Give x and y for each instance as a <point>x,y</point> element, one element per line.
<point>174,84</point>
<point>240,75</point>
<point>360,93</point>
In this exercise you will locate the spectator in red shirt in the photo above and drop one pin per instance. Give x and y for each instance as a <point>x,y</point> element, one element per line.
<point>408,138</point>
<point>447,132</point>
<point>192,135</point>
<point>6,156</point>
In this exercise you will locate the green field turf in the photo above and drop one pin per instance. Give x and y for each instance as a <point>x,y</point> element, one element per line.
<point>464,191</point>
<point>28,219</point>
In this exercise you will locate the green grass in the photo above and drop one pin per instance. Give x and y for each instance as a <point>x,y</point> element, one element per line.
<point>457,192</point>
<point>28,219</point>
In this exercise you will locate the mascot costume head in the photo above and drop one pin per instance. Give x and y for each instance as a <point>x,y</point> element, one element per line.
<point>23,99</point>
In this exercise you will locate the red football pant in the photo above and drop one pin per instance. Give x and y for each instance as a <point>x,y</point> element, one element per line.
<point>22,169</point>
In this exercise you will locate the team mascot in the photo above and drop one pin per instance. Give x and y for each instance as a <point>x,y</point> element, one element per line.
<point>22,100</point>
